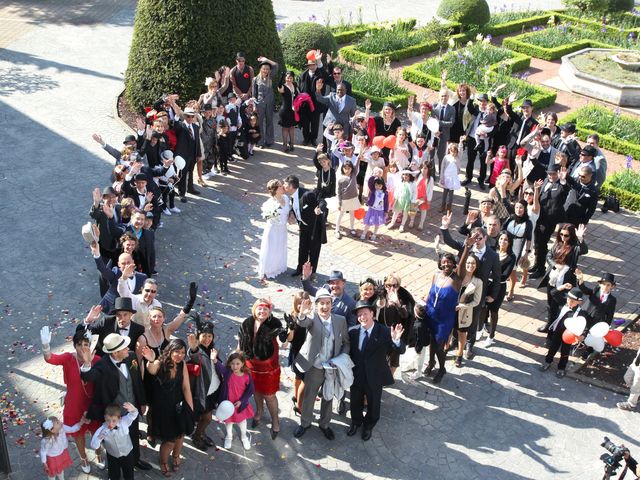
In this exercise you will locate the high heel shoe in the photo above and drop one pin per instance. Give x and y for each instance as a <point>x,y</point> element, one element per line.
<point>164,468</point>
<point>274,434</point>
<point>439,375</point>
<point>427,371</point>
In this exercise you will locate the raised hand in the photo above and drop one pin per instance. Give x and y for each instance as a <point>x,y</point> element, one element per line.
<point>214,354</point>
<point>98,138</point>
<point>306,307</point>
<point>193,292</point>
<point>192,341</point>
<point>396,332</point>
<point>446,221</point>
<point>148,207</point>
<point>580,231</point>
<point>96,230</point>
<point>471,217</point>
<point>97,196</point>
<point>128,270</point>
<point>140,124</point>
<point>562,174</point>
<point>93,315</point>
<point>318,54</point>
<point>148,354</point>
<point>579,275</point>
<point>129,407</point>
<point>319,84</point>
<point>95,250</point>
<point>45,336</point>
<point>538,184</point>
<point>367,104</point>
<point>307,270</point>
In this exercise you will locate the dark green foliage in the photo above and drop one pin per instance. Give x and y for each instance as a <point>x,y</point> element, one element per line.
<point>465,12</point>
<point>601,6</point>
<point>176,44</point>
<point>298,38</point>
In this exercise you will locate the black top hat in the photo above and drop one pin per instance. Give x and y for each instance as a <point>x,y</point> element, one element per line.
<point>208,106</point>
<point>483,97</point>
<point>575,293</point>
<point>129,138</point>
<point>608,277</point>
<point>553,167</point>
<point>107,191</point>
<point>139,177</point>
<point>363,304</point>
<point>589,151</point>
<point>123,304</point>
<point>527,103</point>
<point>568,127</point>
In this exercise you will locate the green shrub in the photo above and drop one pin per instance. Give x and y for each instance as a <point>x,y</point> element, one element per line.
<point>465,12</point>
<point>626,21</point>
<point>626,186</point>
<point>175,46</point>
<point>298,38</point>
<point>600,6</point>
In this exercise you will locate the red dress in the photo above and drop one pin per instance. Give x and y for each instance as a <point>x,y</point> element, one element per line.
<point>79,394</point>
<point>266,373</point>
<point>421,193</point>
<point>236,386</point>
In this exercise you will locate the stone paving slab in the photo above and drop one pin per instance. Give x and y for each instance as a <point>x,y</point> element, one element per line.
<point>448,431</point>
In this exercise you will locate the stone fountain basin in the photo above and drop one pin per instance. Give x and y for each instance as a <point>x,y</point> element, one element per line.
<point>624,95</point>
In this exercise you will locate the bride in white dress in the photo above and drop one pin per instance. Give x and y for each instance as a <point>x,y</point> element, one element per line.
<point>273,249</point>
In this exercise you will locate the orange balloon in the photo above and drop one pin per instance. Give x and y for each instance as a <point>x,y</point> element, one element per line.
<point>568,337</point>
<point>359,213</point>
<point>614,338</point>
<point>390,141</point>
<point>379,141</point>
<point>311,55</point>
<point>390,198</point>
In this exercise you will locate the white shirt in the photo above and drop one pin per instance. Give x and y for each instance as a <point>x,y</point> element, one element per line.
<point>122,367</point>
<point>54,446</point>
<point>125,289</point>
<point>480,252</point>
<point>116,441</point>
<point>295,201</point>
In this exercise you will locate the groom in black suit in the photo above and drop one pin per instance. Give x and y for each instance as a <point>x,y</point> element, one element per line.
<point>309,213</point>
<point>370,343</point>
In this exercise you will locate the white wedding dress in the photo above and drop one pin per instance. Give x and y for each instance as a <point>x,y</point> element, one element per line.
<point>273,249</point>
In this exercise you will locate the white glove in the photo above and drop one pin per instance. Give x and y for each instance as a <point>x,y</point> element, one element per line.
<point>45,336</point>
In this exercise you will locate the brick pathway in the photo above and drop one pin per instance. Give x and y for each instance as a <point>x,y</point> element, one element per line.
<point>47,277</point>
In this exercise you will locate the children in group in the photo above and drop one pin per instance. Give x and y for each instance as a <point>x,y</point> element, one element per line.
<point>375,160</point>
<point>378,203</point>
<point>225,146</point>
<point>393,180</point>
<point>401,153</point>
<point>252,133</point>
<point>424,192</point>
<point>347,193</point>
<point>486,126</point>
<point>497,164</point>
<point>449,180</point>
<point>54,451</point>
<point>237,387</point>
<point>404,198</point>
<point>114,434</point>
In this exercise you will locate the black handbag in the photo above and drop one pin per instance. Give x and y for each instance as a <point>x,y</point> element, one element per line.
<point>612,203</point>
<point>185,418</point>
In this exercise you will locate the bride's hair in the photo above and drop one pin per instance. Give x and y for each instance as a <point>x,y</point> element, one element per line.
<point>272,186</point>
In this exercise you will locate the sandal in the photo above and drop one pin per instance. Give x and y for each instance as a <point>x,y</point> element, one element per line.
<point>176,463</point>
<point>84,465</point>
<point>164,468</point>
<point>201,182</point>
<point>509,298</point>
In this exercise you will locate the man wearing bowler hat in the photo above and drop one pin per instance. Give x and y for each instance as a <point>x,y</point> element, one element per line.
<point>343,304</point>
<point>109,248</point>
<point>117,380</point>
<point>523,123</point>
<point>370,343</point>
<point>118,321</point>
<point>568,143</point>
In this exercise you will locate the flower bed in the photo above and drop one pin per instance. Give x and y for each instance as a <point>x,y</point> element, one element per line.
<point>350,32</point>
<point>627,21</point>
<point>618,133</point>
<point>626,186</point>
<point>373,82</point>
<point>555,42</point>
<point>397,43</point>
<point>483,66</point>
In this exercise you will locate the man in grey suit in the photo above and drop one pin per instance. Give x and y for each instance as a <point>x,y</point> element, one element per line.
<point>327,337</point>
<point>445,114</point>
<point>342,107</point>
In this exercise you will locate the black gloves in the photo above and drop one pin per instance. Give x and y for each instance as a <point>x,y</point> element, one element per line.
<point>193,291</point>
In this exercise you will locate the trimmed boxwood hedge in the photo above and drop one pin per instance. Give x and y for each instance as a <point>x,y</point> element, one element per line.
<point>517,25</point>
<point>359,31</point>
<point>175,46</point>
<point>607,141</point>
<point>300,37</point>
<point>465,12</point>
<point>544,98</point>
<point>596,24</point>
<point>628,200</point>
<point>519,44</point>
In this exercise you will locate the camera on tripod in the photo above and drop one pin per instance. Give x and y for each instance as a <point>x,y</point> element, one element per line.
<point>612,459</point>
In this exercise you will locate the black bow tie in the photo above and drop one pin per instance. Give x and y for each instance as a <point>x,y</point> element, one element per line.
<point>120,363</point>
<point>114,428</point>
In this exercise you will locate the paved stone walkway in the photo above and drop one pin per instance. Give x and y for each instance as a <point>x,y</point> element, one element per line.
<point>498,417</point>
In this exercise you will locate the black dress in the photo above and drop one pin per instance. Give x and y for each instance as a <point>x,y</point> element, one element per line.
<point>386,131</point>
<point>287,118</point>
<point>166,395</point>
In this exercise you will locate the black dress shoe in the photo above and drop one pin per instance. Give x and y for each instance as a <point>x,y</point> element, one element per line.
<point>328,433</point>
<point>366,434</point>
<point>193,191</point>
<point>465,182</point>
<point>352,430</point>
<point>274,434</point>
<point>439,375</point>
<point>300,431</point>
<point>208,440</point>
<point>543,329</point>
<point>296,273</point>
<point>142,465</point>
<point>183,199</point>
<point>481,186</point>
<point>535,275</point>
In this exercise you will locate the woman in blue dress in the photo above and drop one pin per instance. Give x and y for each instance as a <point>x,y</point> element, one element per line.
<point>440,312</point>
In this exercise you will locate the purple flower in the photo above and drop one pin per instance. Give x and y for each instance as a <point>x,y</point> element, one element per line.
<point>617,111</point>
<point>632,35</point>
<point>463,62</point>
<point>629,161</point>
<point>535,29</point>
<point>312,18</point>
<point>603,30</point>
<point>489,37</point>
<point>279,27</point>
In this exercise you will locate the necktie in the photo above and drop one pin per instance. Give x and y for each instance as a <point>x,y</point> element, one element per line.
<point>602,298</point>
<point>442,111</point>
<point>365,340</point>
<point>191,130</point>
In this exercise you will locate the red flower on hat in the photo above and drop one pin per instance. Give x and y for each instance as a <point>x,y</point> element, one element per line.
<point>246,75</point>
<point>521,151</point>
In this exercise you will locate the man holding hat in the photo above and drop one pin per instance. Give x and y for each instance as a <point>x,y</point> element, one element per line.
<point>135,187</point>
<point>118,321</point>
<point>587,158</point>
<point>553,194</point>
<point>568,143</point>
<point>557,328</point>
<point>371,342</point>
<point>469,137</point>
<point>327,338</point>
<point>342,304</point>
<point>117,380</point>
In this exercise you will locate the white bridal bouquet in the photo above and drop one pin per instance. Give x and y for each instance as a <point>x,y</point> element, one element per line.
<point>271,211</point>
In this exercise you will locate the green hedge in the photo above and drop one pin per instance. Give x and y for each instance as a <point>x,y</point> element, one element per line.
<point>628,200</point>
<point>543,98</point>
<point>518,25</point>
<point>359,31</point>
<point>563,17</point>
<point>607,141</point>
<point>519,44</point>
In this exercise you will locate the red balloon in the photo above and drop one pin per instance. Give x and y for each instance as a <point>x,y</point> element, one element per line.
<point>311,55</point>
<point>378,141</point>
<point>614,338</point>
<point>568,337</point>
<point>359,213</point>
<point>390,141</point>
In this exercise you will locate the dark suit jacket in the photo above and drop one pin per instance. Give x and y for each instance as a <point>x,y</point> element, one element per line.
<point>601,312</point>
<point>581,201</point>
<point>307,83</point>
<point>108,325</point>
<point>371,367</point>
<point>187,147</point>
<point>108,239</point>
<point>552,202</point>
<point>518,119</point>
<point>314,223</point>
<point>111,275</point>
<point>104,375</point>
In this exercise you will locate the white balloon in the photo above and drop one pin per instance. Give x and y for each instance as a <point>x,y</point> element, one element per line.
<point>600,329</point>
<point>433,125</point>
<point>575,324</point>
<point>597,343</point>
<point>179,162</point>
<point>224,410</point>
